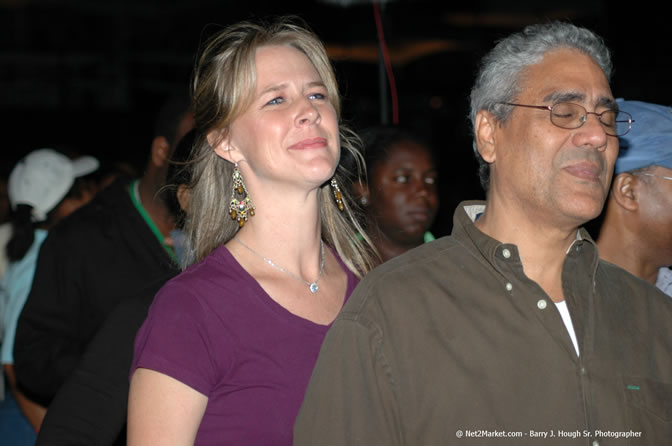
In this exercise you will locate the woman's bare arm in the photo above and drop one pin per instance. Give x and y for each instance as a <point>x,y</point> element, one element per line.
<point>163,410</point>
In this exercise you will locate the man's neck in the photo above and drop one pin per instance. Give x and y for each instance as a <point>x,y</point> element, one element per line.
<point>542,247</point>
<point>150,200</point>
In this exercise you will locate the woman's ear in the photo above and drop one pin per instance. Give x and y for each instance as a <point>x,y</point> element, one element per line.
<point>361,192</point>
<point>223,147</point>
<point>220,144</point>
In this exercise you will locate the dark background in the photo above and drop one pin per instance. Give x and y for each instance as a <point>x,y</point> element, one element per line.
<point>90,74</point>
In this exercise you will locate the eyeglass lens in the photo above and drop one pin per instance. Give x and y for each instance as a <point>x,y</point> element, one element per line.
<point>571,116</point>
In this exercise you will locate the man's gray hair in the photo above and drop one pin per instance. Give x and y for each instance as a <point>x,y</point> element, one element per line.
<point>499,77</point>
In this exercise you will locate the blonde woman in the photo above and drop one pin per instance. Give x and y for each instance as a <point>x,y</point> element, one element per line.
<point>228,347</point>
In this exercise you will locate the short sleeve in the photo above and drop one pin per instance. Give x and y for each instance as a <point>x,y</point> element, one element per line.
<point>14,300</point>
<point>175,339</point>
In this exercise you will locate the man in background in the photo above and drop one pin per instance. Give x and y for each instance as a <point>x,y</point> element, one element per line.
<point>90,407</point>
<point>636,233</point>
<point>101,254</point>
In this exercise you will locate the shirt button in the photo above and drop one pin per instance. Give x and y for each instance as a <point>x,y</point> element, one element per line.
<point>541,304</point>
<point>596,443</point>
<point>583,370</point>
<point>506,253</point>
<point>509,287</point>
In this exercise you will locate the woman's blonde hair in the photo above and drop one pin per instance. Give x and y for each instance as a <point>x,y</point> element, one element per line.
<point>223,86</point>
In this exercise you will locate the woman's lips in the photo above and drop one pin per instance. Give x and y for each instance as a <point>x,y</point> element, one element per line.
<point>310,143</point>
<point>419,215</point>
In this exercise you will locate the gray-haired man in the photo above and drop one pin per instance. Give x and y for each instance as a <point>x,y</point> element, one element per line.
<point>511,330</point>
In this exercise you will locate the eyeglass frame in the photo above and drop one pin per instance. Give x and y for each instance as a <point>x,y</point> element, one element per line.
<point>654,175</point>
<point>583,121</point>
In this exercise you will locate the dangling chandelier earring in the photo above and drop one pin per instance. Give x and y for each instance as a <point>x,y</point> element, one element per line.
<point>337,194</point>
<point>240,209</point>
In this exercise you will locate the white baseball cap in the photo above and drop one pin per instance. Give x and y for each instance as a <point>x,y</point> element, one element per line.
<point>44,177</point>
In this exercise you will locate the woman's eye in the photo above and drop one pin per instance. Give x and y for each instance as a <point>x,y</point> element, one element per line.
<point>430,180</point>
<point>276,101</point>
<point>318,96</point>
<point>401,178</point>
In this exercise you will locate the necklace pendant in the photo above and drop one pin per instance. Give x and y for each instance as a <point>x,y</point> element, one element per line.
<point>313,287</point>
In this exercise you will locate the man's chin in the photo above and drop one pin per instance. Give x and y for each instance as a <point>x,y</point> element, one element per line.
<point>584,210</point>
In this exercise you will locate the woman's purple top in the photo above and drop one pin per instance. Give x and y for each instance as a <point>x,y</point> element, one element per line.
<point>216,330</point>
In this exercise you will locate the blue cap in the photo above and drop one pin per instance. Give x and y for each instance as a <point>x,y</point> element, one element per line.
<point>649,142</point>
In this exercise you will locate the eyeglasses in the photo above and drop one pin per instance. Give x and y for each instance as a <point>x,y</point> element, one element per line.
<point>568,115</point>
<point>654,175</point>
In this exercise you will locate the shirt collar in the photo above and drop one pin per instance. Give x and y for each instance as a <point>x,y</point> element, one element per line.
<point>466,232</point>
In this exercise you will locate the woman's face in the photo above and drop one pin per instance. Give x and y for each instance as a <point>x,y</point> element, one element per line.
<point>289,135</point>
<point>403,198</point>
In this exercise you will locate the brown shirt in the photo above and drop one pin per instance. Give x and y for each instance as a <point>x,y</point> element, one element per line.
<point>452,343</point>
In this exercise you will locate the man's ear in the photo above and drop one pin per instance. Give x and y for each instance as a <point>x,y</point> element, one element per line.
<point>623,190</point>
<point>160,151</point>
<point>485,125</point>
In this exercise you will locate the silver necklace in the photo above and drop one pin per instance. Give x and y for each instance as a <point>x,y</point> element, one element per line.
<point>312,286</point>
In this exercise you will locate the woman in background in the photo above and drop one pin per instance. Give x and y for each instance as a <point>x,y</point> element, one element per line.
<point>228,347</point>
<point>43,188</point>
<point>399,194</point>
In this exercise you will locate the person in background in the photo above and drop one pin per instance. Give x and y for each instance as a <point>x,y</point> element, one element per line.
<point>176,194</point>
<point>399,193</point>
<point>228,346</point>
<point>111,171</point>
<point>512,326</point>
<point>636,233</point>
<point>90,407</point>
<point>103,253</point>
<point>44,187</point>
<point>5,224</point>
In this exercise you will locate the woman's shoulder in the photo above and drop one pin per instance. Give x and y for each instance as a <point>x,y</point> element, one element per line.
<point>219,264</point>
<point>216,274</point>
